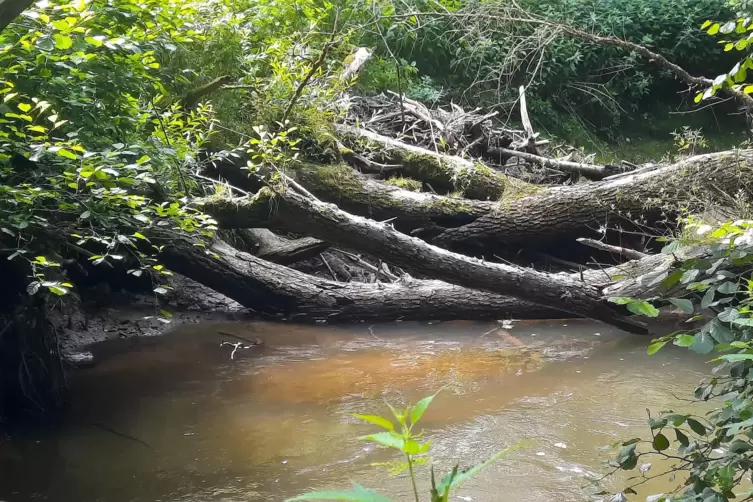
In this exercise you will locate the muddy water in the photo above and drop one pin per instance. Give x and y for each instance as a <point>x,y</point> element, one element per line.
<point>175,419</point>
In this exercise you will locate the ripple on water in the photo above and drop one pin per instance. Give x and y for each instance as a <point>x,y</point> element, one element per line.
<point>278,421</point>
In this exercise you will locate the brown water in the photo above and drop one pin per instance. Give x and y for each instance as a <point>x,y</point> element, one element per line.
<point>174,419</point>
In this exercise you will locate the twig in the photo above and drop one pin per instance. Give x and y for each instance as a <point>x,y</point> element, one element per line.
<point>252,342</point>
<point>368,266</point>
<point>371,330</point>
<point>314,67</point>
<point>236,346</point>
<point>640,170</point>
<point>629,253</point>
<point>334,276</point>
<point>591,170</point>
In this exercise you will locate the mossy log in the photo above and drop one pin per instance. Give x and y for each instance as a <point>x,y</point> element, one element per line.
<point>525,213</point>
<point>446,173</point>
<point>576,210</point>
<point>359,194</point>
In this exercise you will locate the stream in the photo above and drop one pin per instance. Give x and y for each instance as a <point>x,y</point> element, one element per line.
<point>173,418</point>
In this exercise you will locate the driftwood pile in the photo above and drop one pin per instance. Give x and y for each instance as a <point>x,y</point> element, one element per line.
<point>476,134</point>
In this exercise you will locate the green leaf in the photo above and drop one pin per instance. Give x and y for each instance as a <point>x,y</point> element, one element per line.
<point>456,478</point>
<point>387,439</point>
<point>62,42</point>
<point>684,340</point>
<point>703,343</point>
<point>24,107</point>
<point>418,410</point>
<point>714,29</point>
<point>682,438</point>
<point>620,300</point>
<point>708,298</point>
<point>728,315</point>
<point>736,357</point>
<point>727,288</point>
<point>641,307</point>
<point>697,427</point>
<point>661,442</point>
<point>359,494</point>
<point>413,447</point>
<point>67,154</point>
<point>655,346</point>
<point>93,41</point>
<point>683,304</point>
<point>60,24</point>
<point>60,291</point>
<point>689,275</point>
<point>739,446</point>
<point>377,420</point>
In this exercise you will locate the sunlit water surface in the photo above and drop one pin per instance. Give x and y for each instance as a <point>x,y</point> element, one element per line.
<point>175,419</point>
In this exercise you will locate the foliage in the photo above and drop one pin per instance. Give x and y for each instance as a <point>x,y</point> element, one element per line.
<point>100,156</point>
<point>482,59</point>
<point>400,435</point>
<point>715,286</point>
<point>735,35</point>
<point>88,155</point>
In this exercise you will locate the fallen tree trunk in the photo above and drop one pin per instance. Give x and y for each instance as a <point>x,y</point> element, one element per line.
<point>542,212</point>
<point>280,291</point>
<point>573,209</point>
<point>359,194</point>
<point>443,172</point>
<point>325,221</point>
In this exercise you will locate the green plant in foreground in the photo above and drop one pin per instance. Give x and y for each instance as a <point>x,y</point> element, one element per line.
<point>713,453</point>
<point>404,439</point>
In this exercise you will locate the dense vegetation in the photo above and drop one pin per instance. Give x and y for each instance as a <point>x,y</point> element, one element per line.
<point>115,116</point>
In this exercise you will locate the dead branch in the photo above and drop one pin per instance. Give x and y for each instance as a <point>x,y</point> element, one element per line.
<point>629,253</point>
<point>588,170</point>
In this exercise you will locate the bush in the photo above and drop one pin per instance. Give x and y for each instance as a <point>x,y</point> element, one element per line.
<point>484,62</point>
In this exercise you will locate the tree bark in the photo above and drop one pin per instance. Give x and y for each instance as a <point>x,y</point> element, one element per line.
<point>590,171</point>
<point>271,247</point>
<point>573,209</point>
<point>327,222</point>
<point>280,291</point>
<point>543,212</point>
<point>10,10</point>
<point>629,253</point>
<point>446,173</point>
<point>359,194</point>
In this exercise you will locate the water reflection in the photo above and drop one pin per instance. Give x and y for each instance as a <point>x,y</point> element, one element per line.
<point>173,418</point>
